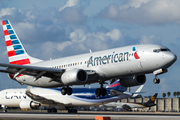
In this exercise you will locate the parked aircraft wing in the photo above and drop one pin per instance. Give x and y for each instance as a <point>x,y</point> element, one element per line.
<point>39,98</point>
<point>117,93</point>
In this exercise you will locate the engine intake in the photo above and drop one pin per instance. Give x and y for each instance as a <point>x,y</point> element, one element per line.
<point>74,77</point>
<point>133,81</point>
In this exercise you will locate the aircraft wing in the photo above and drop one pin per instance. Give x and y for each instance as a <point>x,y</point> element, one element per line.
<point>33,70</point>
<point>40,98</point>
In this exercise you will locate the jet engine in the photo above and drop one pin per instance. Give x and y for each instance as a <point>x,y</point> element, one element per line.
<point>28,104</point>
<point>74,77</point>
<point>133,80</point>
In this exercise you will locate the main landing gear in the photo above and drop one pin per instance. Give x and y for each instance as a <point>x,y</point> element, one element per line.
<point>66,90</point>
<point>52,110</point>
<point>4,108</point>
<point>156,80</point>
<point>101,91</point>
<point>72,110</point>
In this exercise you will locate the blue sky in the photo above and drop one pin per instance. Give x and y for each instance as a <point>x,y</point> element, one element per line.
<point>58,28</point>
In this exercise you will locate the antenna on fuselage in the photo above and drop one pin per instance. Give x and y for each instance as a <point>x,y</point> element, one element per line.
<point>90,51</point>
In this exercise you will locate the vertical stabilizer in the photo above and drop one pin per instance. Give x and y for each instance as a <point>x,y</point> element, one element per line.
<point>16,52</point>
<point>116,86</point>
<point>152,99</point>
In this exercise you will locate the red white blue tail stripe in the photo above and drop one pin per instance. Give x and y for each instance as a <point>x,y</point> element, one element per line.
<point>15,50</point>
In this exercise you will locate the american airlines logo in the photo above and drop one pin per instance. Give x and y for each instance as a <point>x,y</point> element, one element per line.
<point>113,58</point>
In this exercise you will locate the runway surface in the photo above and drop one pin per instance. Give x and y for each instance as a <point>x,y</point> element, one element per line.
<point>88,116</point>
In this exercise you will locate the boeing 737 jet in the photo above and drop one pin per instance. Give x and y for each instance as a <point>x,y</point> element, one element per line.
<point>53,99</point>
<point>129,64</point>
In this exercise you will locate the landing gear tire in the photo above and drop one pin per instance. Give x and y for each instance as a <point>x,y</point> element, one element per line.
<point>67,91</point>
<point>101,92</point>
<point>49,110</point>
<point>98,92</point>
<point>4,111</point>
<point>156,81</point>
<point>72,111</point>
<point>64,91</point>
<point>54,110</point>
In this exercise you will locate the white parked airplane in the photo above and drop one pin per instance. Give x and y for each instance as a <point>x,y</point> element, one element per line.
<point>53,99</point>
<point>128,105</point>
<point>129,64</point>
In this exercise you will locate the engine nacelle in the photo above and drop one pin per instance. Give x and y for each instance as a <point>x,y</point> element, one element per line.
<point>28,104</point>
<point>74,77</point>
<point>133,81</point>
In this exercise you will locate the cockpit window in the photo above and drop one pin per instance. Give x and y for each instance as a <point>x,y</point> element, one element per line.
<point>165,49</point>
<point>159,50</point>
<point>156,50</point>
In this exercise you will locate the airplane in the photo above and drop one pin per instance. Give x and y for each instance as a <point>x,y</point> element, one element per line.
<point>128,105</point>
<point>53,99</point>
<point>129,64</point>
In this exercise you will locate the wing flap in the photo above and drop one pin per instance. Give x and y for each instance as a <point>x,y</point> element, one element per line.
<point>31,70</point>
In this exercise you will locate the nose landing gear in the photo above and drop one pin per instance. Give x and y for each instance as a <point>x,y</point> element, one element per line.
<point>156,80</point>
<point>158,72</point>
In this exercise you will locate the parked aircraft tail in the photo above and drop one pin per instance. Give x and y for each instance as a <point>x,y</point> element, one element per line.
<point>116,86</point>
<point>16,51</point>
<point>138,91</point>
<point>151,101</point>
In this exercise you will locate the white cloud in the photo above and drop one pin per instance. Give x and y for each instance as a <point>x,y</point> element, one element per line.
<point>134,3</point>
<point>73,15</point>
<point>114,34</point>
<point>150,39</point>
<point>79,35</point>
<point>61,46</point>
<point>69,3</point>
<point>6,11</point>
<point>144,12</point>
<point>26,25</point>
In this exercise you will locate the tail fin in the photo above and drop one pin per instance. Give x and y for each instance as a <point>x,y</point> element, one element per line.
<point>152,99</point>
<point>138,91</point>
<point>16,52</point>
<point>116,86</point>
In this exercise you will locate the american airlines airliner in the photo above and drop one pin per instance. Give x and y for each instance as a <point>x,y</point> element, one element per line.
<point>53,99</point>
<point>129,64</point>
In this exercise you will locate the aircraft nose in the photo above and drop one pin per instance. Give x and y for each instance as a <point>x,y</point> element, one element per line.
<point>170,58</point>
